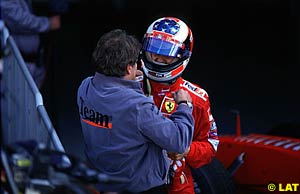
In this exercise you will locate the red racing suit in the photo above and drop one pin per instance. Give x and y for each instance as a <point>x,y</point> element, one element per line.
<point>205,139</point>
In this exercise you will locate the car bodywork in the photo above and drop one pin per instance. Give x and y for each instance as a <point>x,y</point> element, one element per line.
<point>260,163</point>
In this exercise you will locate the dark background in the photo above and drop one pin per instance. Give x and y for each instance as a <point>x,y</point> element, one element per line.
<point>246,56</point>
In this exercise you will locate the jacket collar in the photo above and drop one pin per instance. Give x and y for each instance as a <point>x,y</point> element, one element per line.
<point>160,87</point>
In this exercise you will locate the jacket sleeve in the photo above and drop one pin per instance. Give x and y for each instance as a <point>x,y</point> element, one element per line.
<point>173,134</point>
<point>205,140</point>
<point>19,18</point>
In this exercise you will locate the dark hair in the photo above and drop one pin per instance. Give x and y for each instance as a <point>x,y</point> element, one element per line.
<point>114,50</point>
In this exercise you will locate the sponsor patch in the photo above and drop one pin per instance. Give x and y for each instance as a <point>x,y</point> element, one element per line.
<point>195,90</point>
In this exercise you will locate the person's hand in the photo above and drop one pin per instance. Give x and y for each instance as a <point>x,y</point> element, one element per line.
<point>177,156</point>
<point>181,95</point>
<point>139,76</point>
<point>54,22</point>
<point>139,73</point>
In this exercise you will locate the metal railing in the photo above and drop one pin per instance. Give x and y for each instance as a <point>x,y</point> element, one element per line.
<point>23,114</point>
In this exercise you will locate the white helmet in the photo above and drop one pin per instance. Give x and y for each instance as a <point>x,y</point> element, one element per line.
<point>170,37</point>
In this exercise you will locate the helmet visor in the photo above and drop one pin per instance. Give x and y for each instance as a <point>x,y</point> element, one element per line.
<point>161,47</point>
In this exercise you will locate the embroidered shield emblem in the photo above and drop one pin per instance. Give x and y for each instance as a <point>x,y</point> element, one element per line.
<point>169,105</point>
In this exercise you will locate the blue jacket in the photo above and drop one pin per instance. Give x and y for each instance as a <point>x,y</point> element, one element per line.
<point>126,135</point>
<point>23,25</point>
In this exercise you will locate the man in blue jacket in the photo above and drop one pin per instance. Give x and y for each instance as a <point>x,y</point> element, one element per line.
<point>125,134</point>
<point>25,27</point>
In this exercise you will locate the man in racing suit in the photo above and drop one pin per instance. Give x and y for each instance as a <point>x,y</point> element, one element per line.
<point>167,47</point>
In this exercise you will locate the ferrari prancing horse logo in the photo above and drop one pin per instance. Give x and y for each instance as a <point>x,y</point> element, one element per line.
<point>169,105</point>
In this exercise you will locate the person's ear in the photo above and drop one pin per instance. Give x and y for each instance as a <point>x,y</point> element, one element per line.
<point>129,69</point>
